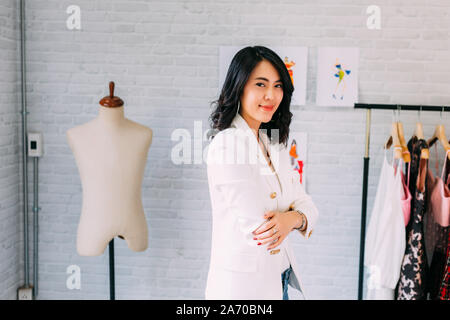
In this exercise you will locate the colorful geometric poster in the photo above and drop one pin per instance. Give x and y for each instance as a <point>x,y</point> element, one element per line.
<point>298,150</point>
<point>337,76</point>
<point>294,58</point>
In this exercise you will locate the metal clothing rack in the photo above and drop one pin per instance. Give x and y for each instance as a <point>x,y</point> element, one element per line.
<point>369,107</point>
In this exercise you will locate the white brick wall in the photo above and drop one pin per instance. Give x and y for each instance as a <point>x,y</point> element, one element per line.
<point>163,56</point>
<point>10,232</point>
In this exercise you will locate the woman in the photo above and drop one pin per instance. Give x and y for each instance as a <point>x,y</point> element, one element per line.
<point>256,197</point>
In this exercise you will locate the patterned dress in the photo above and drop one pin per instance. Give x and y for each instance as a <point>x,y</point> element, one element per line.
<point>436,240</point>
<point>444,291</point>
<point>412,283</point>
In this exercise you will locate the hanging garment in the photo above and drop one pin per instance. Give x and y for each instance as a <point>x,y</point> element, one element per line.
<point>414,145</point>
<point>385,242</point>
<point>406,197</point>
<point>440,199</point>
<point>436,238</point>
<point>412,283</point>
<point>433,231</point>
<point>436,235</point>
<point>438,261</point>
<point>444,291</point>
<point>447,173</point>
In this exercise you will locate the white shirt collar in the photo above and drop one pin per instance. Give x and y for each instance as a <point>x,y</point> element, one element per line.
<point>240,123</point>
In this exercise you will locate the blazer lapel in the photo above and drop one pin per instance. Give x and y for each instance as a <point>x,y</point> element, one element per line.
<point>272,179</point>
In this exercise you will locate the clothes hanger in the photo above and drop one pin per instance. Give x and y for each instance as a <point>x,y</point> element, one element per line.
<point>394,139</point>
<point>405,152</point>
<point>419,128</point>
<point>418,133</point>
<point>439,135</point>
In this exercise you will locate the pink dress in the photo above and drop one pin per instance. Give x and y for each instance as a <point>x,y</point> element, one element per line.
<point>440,198</point>
<point>406,197</point>
<point>437,228</point>
<point>405,194</point>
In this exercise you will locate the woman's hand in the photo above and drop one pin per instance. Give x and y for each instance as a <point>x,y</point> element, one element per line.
<point>280,222</point>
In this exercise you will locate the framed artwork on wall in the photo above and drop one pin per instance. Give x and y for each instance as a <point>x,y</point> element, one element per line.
<point>337,76</point>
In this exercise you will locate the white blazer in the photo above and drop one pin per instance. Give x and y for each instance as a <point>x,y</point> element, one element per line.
<point>241,192</point>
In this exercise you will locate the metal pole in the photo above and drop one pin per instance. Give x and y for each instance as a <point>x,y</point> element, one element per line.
<point>404,107</point>
<point>35,224</point>
<point>24,145</point>
<point>364,208</point>
<point>112,290</point>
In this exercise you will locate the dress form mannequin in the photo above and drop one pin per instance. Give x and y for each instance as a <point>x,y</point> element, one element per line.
<point>111,152</point>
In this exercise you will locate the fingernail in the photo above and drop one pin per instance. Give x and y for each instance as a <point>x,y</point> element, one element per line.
<point>255,239</point>
<point>259,243</point>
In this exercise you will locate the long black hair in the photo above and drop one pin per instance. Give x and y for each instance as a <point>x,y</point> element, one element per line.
<point>238,73</point>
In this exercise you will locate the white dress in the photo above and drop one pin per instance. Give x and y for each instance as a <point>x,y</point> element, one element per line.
<point>385,241</point>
